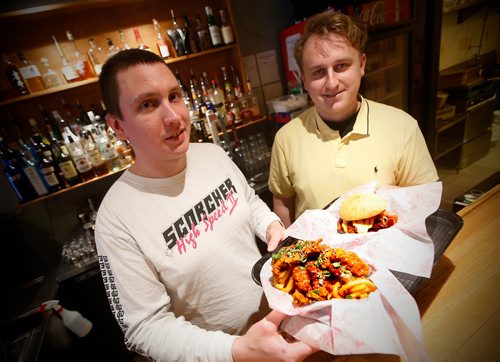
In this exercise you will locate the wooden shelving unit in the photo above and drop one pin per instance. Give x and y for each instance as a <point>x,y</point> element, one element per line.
<point>30,30</point>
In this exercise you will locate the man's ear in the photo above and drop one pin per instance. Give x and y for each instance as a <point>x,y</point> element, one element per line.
<point>303,81</point>
<point>363,63</point>
<point>116,124</point>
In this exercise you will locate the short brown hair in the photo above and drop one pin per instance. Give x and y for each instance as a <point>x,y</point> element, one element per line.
<point>332,22</point>
<point>121,61</point>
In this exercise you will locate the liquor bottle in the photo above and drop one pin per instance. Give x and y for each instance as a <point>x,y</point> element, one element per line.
<point>200,128</point>
<point>123,39</point>
<point>185,93</point>
<point>202,35</point>
<point>160,42</point>
<point>233,107</point>
<point>221,121</point>
<point>64,162</point>
<point>123,151</point>
<point>189,37</point>
<point>50,76</point>
<point>237,87</point>
<point>203,89</point>
<point>31,74</point>
<point>97,116</point>
<point>177,36</point>
<point>72,121</point>
<point>228,87</point>
<point>15,124</point>
<point>97,56</point>
<point>61,124</point>
<point>226,29</point>
<point>202,115</point>
<point>212,123</point>
<point>50,173</point>
<point>80,159</point>
<point>14,174</point>
<point>204,77</point>
<point>50,121</point>
<point>218,97</point>
<point>68,70</point>
<point>108,151</point>
<point>39,140</point>
<point>31,168</point>
<point>194,90</point>
<point>249,104</point>
<point>95,156</point>
<point>45,158</point>
<point>112,49</point>
<point>138,39</point>
<point>230,121</point>
<point>213,27</point>
<point>14,78</point>
<point>84,118</point>
<point>79,60</point>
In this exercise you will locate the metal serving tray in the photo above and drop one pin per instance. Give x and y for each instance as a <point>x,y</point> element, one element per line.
<point>442,227</point>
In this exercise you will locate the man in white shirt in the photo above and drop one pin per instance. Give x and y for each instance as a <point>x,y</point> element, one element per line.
<point>176,232</point>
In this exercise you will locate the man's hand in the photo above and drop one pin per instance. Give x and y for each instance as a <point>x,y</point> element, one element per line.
<point>263,342</point>
<point>274,234</point>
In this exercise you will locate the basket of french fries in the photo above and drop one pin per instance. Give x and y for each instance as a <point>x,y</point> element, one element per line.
<point>338,287</point>
<point>311,271</point>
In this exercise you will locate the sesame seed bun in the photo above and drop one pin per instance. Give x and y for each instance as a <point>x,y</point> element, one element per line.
<point>361,206</point>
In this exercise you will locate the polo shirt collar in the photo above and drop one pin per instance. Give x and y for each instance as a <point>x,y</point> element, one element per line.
<point>361,126</point>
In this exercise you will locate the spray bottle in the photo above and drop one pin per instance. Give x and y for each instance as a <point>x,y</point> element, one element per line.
<point>73,320</point>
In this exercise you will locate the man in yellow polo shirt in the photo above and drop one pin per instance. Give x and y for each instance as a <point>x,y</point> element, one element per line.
<point>345,140</point>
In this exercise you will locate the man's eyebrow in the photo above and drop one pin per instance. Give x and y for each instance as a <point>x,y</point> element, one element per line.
<point>336,61</point>
<point>142,96</point>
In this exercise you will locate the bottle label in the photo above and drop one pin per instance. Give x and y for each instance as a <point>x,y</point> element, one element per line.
<point>70,73</point>
<point>82,163</point>
<point>36,181</point>
<point>98,68</point>
<point>17,81</point>
<point>68,170</point>
<point>30,71</point>
<point>164,52</point>
<point>215,35</point>
<point>227,34</point>
<point>83,68</point>
<point>108,151</point>
<point>95,157</point>
<point>50,176</point>
<point>47,154</point>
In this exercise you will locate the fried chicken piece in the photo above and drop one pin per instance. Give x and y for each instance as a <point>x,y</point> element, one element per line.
<point>301,278</point>
<point>353,262</point>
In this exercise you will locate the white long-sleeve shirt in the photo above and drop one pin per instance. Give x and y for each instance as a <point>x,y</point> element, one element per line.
<point>176,256</point>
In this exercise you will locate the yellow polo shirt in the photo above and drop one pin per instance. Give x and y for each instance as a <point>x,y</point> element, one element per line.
<point>312,163</point>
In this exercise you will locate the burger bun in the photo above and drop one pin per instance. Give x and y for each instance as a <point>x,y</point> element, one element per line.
<point>361,206</point>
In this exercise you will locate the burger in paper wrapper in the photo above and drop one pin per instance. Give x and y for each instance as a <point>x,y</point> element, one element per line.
<point>364,212</point>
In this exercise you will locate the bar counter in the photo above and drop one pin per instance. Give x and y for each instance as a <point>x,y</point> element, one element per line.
<point>460,302</point>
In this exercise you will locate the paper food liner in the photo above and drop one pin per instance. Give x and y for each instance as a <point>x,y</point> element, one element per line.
<point>404,247</point>
<point>388,321</point>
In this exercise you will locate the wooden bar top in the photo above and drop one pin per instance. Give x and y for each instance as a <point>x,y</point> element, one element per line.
<point>460,303</point>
